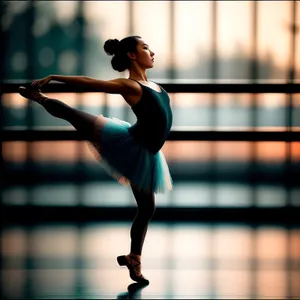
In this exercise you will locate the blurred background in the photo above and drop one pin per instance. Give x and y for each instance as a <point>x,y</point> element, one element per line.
<point>234,211</point>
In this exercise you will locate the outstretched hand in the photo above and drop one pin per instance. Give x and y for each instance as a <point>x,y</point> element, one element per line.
<point>41,82</point>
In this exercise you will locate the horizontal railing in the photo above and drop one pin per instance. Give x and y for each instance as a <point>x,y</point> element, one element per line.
<point>179,86</point>
<point>31,214</point>
<point>177,133</point>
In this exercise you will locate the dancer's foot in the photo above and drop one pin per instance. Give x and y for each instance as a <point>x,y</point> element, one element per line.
<point>32,94</point>
<point>135,288</point>
<point>133,264</point>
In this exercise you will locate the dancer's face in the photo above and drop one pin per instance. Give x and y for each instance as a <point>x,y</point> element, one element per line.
<point>143,56</point>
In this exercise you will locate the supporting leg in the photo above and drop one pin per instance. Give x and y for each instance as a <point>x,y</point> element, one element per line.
<point>145,210</point>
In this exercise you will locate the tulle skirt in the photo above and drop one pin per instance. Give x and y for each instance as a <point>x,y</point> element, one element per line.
<point>127,160</point>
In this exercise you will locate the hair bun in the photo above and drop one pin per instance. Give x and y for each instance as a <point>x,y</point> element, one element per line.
<point>111,46</point>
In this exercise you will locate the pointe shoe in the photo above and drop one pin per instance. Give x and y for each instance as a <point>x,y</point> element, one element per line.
<point>122,261</point>
<point>32,94</point>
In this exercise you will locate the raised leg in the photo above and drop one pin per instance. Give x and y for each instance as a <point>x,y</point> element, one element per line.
<point>83,122</point>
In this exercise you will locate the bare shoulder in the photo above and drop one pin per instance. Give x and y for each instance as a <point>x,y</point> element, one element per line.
<point>131,85</point>
<point>132,90</point>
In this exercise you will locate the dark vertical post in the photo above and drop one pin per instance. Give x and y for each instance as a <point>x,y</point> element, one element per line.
<point>80,47</point>
<point>2,76</point>
<point>214,76</point>
<point>289,178</point>
<point>172,71</point>
<point>2,176</point>
<point>31,74</point>
<point>253,107</point>
<point>130,31</point>
<point>289,106</point>
<point>294,28</point>
<point>253,149</point>
<point>81,40</point>
<point>214,48</point>
<point>254,66</point>
<point>80,180</point>
<point>131,17</point>
<point>2,164</point>
<point>30,164</point>
<point>213,145</point>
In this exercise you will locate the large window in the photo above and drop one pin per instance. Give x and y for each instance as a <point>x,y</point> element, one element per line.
<point>192,40</point>
<point>189,38</point>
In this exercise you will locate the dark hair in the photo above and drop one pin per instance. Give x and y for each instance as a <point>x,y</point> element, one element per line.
<point>120,62</point>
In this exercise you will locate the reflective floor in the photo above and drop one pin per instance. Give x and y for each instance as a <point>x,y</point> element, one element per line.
<point>194,261</point>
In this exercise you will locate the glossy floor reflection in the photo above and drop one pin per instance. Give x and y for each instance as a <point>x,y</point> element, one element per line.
<point>194,261</point>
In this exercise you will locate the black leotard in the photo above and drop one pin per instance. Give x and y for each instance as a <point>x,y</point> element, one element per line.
<point>154,118</point>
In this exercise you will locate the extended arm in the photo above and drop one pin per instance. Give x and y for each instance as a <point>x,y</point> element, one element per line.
<point>115,86</point>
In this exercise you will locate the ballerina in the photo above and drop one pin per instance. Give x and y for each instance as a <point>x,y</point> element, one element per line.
<point>131,154</point>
